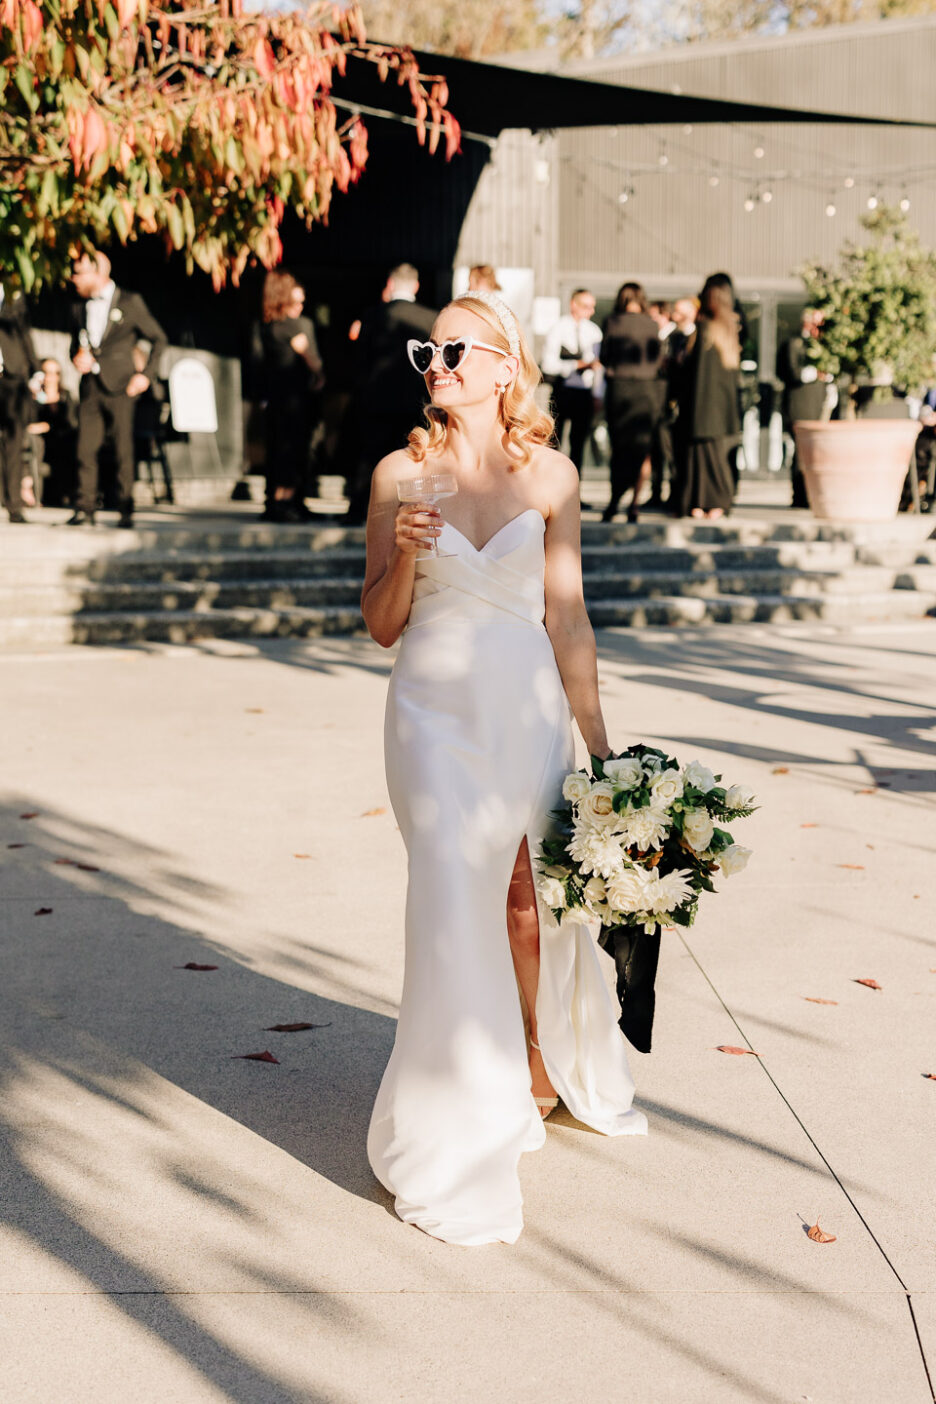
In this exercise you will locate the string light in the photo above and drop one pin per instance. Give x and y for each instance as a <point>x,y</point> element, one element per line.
<point>687,129</point>
<point>713,181</point>
<point>766,196</point>
<point>849,182</point>
<point>663,159</point>
<point>830,209</point>
<point>749,204</point>
<point>759,153</point>
<point>872,202</point>
<point>905,203</point>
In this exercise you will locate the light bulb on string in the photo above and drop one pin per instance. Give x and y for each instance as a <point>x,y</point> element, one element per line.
<point>663,159</point>
<point>766,196</point>
<point>849,182</point>
<point>687,129</point>
<point>905,203</point>
<point>749,203</point>
<point>625,195</point>
<point>830,209</point>
<point>759,153</point>
<point>873,202</point>
<point>713,181</point>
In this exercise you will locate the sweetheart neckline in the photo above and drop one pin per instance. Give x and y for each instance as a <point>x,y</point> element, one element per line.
<point>479,550</point>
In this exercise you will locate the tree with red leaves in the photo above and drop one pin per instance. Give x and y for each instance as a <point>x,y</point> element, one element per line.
<point>191,120</point>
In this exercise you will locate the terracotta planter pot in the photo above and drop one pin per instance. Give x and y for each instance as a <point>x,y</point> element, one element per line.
<point>855,468</point>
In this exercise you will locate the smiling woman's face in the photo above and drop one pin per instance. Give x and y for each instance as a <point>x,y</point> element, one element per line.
<point>477,378</point>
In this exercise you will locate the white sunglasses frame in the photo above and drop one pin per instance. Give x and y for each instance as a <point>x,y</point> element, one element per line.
<point>468,342</point>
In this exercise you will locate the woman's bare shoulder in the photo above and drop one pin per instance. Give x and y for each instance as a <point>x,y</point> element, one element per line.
<point>556,477</point>
<point>391,469</point>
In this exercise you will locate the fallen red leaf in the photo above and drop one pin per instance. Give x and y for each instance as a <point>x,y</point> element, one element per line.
<point>265,1057</point>
<point>871,791</point>
<point>255,711</point>
<point>64,862</point>
<point>729,1048</point>
<point>931,1076</point>
<point>809,826</point>
<point>780,770</point>
<point>33,814</point>
<point>17,845</point>
<point>87,867</point>
<point>368,812</point>
<point>814,999</point>
<point>819,1235</point>
<point>193,965</point>
<point>43,911</point>
<point>302,855</point>
<point>871,984</point>
<point>856,867</point>
<point>294,1028</point>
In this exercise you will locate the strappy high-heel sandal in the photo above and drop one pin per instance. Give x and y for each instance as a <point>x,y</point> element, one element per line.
<point>546,1104</point>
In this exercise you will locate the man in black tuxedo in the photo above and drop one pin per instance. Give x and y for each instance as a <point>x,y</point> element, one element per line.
<point>106,329</point>
<point>804,392</point>
<point>18,366</point>
<point>389,395</point>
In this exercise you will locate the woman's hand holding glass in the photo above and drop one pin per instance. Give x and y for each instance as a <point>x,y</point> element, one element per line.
<point>417,526</point>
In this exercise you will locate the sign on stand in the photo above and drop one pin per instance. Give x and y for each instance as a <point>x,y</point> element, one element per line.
<point>192,397</point>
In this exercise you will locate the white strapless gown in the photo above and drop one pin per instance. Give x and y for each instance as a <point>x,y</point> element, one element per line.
<point>478,741</point>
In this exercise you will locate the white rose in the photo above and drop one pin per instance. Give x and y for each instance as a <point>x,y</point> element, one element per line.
<point>652,766</point>
<point>552,892</point>
<point>597,807</point>
<point>627,890</point>
<point>666,787</point>
<point>699,776</point>
<point>575,787</point>
<point>646,828</point>
<point>698,829</point>
<point>624,773</point>
<point>739,797</point>
<point>733,859</point>
<point>594,892</point>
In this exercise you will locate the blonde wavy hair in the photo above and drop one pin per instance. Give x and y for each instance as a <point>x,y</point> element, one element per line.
<point>525,424</point>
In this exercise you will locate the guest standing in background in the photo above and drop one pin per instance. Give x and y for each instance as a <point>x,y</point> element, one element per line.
<point>18,368</point>
<point>804,391</point>
<point>105,331</point>
<point>388,398</point>
<point>292,372</point>
<point>709,424</point>
<point>661,454</point>
<point>483,278</point>
<point>570,365</point>
<point>634,394</point>
<point>53,428</point>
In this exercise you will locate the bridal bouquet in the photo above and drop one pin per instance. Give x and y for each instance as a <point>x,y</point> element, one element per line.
<point>639,839</point>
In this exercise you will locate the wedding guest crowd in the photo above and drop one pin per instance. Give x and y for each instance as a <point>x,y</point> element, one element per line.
<point>572,367</point>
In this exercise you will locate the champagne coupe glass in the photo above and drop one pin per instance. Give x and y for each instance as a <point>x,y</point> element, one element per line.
<point>432,487</point>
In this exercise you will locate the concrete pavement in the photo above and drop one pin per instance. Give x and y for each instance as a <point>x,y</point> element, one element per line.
<point>180,1225</point>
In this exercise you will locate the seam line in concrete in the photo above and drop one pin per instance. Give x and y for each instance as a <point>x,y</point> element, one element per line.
<point>812,1141</point>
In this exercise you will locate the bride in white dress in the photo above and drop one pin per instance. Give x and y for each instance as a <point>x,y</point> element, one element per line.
<point>501,1008</point>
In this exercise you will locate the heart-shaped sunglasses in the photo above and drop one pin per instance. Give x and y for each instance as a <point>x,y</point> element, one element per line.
<point>452,353</point>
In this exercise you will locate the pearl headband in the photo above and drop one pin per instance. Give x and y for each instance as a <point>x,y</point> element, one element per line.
<point>503,314</point>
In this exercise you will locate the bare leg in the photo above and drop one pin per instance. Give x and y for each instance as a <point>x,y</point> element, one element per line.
<point>523,930</point>
<point>643,477</point>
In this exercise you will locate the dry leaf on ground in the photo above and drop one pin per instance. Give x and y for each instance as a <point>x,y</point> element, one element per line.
<point>819,1235</point>
<point>87,868</point>
<point>302,855</point>
<point>33,814</point>
<point>64,862</point>
<point>871,791</point>
<point>931,1076</point>
<point>17,845</point>
<point>780,770</point>
<point>193,965</point>
<point>255,711</point>
<point>294,1028</point>
<point>871,984</point>
<point>814,999</point>
<point>265,1057</point>
<point>43,911</point>
<point>368,812</point>
<point>809,826</point>
<point>730,1048</point>
<point>856,867</point>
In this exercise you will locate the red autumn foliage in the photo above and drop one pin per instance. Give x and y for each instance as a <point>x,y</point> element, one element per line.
<point>730,1048</point>
<point>265,1057</point>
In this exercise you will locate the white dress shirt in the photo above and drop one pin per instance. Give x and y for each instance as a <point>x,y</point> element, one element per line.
<point>97,313</point>
<point>571,334</point>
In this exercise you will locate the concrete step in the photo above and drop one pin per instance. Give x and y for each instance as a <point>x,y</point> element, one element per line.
<point>183,626</point>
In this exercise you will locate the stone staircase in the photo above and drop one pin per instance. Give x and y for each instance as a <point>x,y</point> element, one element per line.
<point>181,580</point>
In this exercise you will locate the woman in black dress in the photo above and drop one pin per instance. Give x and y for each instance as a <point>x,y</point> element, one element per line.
<point>53,430</point>
<point>634,394</point>
<point>709,426</point>
<point>293,379</point>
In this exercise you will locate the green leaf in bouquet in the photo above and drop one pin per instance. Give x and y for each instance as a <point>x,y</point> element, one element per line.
<point>597,768</point>
<point>620,801</point>
<point>720,839</point>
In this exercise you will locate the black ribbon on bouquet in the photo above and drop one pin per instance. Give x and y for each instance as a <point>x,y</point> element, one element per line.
<point>636,954</point>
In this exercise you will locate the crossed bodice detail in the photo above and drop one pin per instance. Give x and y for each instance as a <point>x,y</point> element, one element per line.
<point>506,576</point>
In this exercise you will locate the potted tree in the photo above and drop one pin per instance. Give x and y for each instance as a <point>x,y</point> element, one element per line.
<point>879,331</point>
